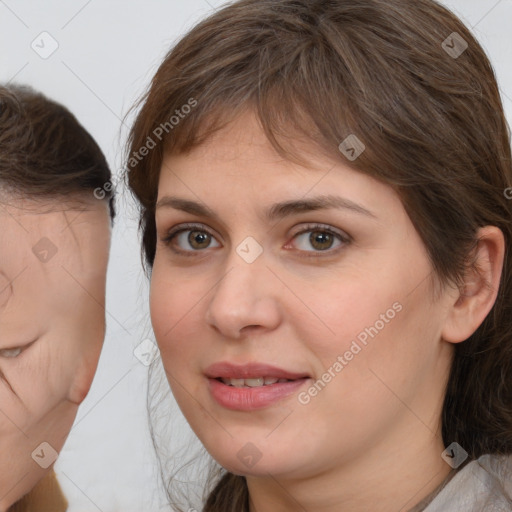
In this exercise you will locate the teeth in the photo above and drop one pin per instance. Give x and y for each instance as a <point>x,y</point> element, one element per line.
<point>237,383</point>
<point>252,383</point>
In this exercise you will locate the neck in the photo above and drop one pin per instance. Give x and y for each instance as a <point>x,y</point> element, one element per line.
<point>382,480</point>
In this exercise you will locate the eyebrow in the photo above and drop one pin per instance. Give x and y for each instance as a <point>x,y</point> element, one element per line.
<point>276,211</point>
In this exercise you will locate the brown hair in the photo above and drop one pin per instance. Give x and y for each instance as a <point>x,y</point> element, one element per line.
<point>45,152</point>
<point>428,110</point>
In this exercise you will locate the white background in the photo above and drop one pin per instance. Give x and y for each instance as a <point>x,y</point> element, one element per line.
<point>108,51</point>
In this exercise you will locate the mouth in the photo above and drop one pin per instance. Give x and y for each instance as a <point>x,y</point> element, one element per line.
<point>254,382</point>
<point>252,386</point>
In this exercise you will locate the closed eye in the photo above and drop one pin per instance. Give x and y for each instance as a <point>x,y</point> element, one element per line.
<point>11,353</point>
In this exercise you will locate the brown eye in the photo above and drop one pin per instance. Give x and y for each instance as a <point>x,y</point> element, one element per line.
<point>191,239</point>
<point>199,239</point>
<point>321,240</point>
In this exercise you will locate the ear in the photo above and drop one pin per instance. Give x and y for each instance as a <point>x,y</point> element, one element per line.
<point>481,284</point>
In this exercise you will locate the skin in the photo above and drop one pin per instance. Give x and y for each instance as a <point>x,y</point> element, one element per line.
<point>370,440</point>
<point>54,313</point>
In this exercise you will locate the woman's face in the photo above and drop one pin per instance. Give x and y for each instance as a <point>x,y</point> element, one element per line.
<point>53,261</point>
<point>293,310</point>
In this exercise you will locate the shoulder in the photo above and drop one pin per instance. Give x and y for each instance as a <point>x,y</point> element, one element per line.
<point>484,484</point>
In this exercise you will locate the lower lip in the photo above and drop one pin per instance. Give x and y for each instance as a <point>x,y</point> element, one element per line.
<point>250,399</point>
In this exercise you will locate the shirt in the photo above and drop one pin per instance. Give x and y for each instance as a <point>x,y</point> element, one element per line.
<point>483,485</point>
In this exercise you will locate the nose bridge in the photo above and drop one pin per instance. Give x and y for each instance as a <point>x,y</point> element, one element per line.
<point>243,296</point>
<point>241,285</point>
<point>246,267</point>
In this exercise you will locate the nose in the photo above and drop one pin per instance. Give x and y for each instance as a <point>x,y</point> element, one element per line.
<point>245,300</point>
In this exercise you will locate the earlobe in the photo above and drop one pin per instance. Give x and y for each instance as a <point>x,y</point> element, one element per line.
<point>481,286</point>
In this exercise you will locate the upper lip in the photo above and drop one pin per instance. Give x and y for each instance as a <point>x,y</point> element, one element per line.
<point>226,370</point>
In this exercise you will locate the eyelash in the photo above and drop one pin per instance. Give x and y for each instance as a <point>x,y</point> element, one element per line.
<point>344,239</point>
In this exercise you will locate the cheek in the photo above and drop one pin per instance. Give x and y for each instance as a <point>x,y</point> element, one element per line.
<point>339,312</point>
<point>404,354</point>
<point>5,291</point>
<point>365,330</point>
<point>37,382</point>
<point>83,338</point>
<point>175,307</point>
<point>15,413</point>
<point>64,364</point>
<point>179,325</point>
<point>383,349</point>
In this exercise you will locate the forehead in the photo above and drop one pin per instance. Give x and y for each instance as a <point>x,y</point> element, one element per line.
<point>240,154</point>
<point>51,255</point>
<point>242,136</point>
<point>32,203</point>
<point>48,210</point>
<point>70,226</point>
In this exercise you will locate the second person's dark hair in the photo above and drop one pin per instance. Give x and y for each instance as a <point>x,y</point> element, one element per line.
<point>45,151</point>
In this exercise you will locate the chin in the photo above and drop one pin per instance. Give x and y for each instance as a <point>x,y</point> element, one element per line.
<point>250,463</point>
